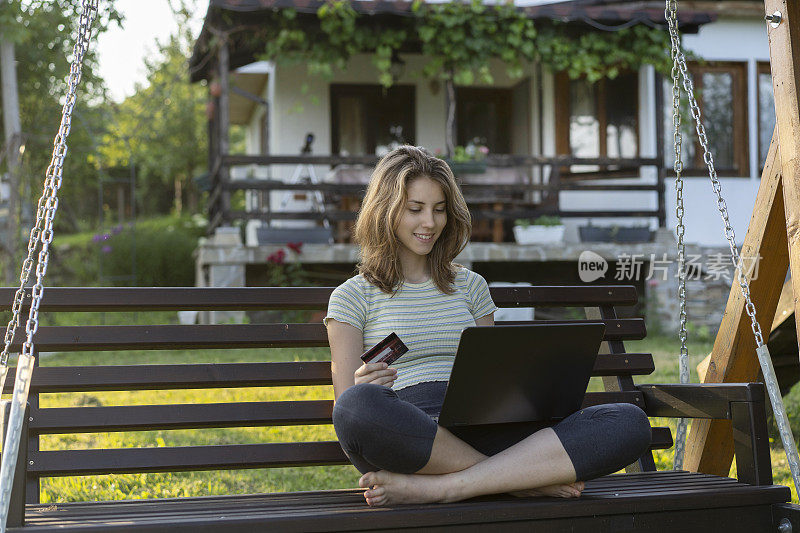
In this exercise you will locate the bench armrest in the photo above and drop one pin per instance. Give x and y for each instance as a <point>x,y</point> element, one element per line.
<point>698,400</point>
<point>741,403</point>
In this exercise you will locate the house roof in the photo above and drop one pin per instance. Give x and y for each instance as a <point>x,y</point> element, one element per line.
<point>600,14</point>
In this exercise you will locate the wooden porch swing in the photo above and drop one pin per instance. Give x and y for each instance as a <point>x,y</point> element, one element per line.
<point>731,416</point>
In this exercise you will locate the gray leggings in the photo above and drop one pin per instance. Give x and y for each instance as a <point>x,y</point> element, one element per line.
<point>382,429</point>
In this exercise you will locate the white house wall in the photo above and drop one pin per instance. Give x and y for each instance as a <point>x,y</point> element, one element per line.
<point>301,105</point>
<point>725,40</point>
<point>296,113</point>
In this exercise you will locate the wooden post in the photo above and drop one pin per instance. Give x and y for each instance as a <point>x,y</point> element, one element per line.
<point>709,447</point>
<point>13,139</point>
<point>784,50</point>
<point>450,111</point>
<point>213,158</point>
<point>661,171</point>
<point>224,125</point>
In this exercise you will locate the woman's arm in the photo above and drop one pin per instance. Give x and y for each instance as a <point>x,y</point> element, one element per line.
<point>347,369</point>
<point>487,320</point>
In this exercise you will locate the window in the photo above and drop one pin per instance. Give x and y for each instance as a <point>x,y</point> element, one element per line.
<point>364,117</point>
<point>721,92</point>
<point>766,112</point>
<point>485,115</point>
<point>597,119</point>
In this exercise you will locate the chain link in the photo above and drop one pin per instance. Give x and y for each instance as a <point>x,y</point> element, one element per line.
<point>671,14</point>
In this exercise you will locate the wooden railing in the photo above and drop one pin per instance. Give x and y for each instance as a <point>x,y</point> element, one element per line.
<point>492,204</point>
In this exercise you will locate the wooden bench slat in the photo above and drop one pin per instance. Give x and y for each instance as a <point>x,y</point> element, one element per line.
<point>180,416</point>
<point>254,298</point>
<point>212,415</point>
<point>185,458</point>
<point>214,375</point>
<point>186,376</point>
<point>177,337</point>
<point>716,502</point>
<point>636,364</point>
<point>598,398</point>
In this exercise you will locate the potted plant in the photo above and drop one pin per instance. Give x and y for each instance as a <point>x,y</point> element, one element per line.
<point>543,230</point>
<point>615,233</point>
<point>469,159</point>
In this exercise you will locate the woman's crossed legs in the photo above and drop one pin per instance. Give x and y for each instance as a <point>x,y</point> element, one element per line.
<point>407,458</point>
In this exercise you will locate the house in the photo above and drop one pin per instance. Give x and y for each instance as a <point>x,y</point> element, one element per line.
<point>548,129</point>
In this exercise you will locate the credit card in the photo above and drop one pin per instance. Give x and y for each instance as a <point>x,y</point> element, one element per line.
<point>387,351</point>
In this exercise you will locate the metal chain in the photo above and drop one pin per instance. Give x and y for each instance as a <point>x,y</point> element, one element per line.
<point>708,158</point>
<point>671,14</point>
<point>762,351</point>
<point>41,232</point>
<point>48,202</point>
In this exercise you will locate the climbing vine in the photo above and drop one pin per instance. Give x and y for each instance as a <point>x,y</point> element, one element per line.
<point>460,39</point>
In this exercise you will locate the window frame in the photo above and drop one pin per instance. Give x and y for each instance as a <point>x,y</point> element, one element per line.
<point>563,113</point>
<point>369,91</point>
<point>741,132</point>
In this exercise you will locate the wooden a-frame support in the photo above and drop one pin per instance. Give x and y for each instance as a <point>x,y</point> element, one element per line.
<point>773,235</point>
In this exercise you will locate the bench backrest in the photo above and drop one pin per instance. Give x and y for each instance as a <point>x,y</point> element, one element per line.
<point>599,302</point>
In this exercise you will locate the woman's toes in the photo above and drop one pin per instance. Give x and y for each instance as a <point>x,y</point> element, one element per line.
<point>367,480</point>
<point>376,502</point>
<point>373,478</point>
<point>375,492</point>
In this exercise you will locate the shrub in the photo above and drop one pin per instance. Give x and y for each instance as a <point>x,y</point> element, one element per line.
<point>151,253</point>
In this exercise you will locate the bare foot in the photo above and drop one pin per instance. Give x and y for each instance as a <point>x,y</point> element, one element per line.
<point>387,488</point>
<point>569,490</point>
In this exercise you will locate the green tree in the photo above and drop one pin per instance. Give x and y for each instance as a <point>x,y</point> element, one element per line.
<point>161,130</point>
<point>44,33</point>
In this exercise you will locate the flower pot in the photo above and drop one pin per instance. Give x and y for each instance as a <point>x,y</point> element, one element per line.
<point>534,234</point>
<point>615,234</point>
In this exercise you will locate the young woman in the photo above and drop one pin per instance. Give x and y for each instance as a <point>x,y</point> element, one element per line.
<point>412,224</point>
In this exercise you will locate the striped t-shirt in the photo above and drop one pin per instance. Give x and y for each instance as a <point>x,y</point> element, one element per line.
<point>428,321</point>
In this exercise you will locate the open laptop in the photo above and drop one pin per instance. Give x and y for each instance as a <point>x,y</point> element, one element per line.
<point>526,373</point>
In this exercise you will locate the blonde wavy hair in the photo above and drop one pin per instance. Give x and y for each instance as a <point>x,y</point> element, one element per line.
<point>379,216</point>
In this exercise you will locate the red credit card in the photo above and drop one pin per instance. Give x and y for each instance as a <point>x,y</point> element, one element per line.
<point>387,351</point>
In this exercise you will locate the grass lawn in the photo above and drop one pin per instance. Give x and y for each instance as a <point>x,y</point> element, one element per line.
<point>131,486</point>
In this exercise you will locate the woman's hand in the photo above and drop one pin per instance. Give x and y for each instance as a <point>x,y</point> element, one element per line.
<point>377,373</point>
